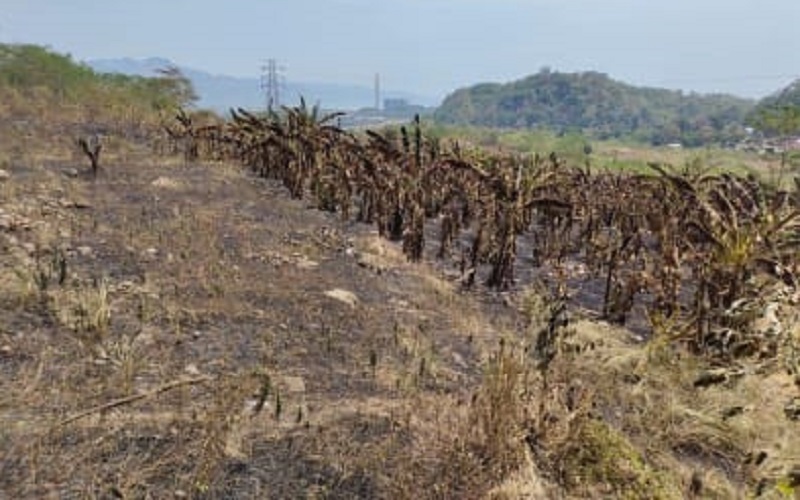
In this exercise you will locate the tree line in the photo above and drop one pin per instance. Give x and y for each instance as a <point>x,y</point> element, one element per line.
<point>602,108</point>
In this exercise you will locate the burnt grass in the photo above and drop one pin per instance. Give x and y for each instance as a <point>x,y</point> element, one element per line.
<point>206,271</point>
<point>176,329</point>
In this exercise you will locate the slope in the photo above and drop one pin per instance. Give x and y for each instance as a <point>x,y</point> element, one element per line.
<point>599,106</point>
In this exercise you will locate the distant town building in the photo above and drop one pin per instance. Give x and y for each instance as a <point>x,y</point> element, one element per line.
<point>395,104</point>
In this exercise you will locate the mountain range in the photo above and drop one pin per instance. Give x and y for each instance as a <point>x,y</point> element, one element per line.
<point>222,92</point>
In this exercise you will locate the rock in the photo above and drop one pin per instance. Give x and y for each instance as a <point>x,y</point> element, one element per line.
<point>459,360</point>
<point>295,385</point>
<point>165,182</point>
<point>29,247</point>
<point>305,263</point>
<point>84,251</point>
<point>70,172</point>
<point>81,203</point>
<point>345,296</point>
<point>192,369</point>
<point>76,203</point>
<point>4,175</point>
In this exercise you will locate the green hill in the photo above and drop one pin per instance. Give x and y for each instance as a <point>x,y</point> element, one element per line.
<point>39,86</point>
<point>787,96</point>
<point>600,107</point>
<point>779,113</point>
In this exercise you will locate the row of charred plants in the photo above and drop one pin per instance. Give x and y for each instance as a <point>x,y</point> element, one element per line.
<point>696,250</point>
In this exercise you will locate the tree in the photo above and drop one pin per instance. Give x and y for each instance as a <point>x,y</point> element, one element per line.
<point>177,86</point>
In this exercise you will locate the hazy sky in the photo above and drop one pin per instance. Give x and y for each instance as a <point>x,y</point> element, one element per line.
<point>746,47</point>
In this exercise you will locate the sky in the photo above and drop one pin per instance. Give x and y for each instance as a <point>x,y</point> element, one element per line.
<point>432,47</point>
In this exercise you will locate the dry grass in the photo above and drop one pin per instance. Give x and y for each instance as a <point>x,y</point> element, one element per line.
<point>192,346</point>
<point>170,330</point>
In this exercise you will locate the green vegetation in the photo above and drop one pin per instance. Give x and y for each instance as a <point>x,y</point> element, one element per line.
<point>600,107</point>
<point>41,86</point>
<point>788,97</point>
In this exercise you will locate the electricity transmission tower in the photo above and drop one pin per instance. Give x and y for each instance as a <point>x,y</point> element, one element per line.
<point>271,81</point>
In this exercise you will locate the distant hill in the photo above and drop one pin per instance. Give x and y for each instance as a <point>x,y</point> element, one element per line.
<point>221,92</point>
<point>599,106</point>
<point>778,114</point>
<point>787,96</point>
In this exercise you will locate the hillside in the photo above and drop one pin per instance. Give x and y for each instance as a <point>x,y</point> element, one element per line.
<point>600,107</point>
<point>778,114</point>
<point>46,94</point>
<point>272,307</point>
<point>787,96</point>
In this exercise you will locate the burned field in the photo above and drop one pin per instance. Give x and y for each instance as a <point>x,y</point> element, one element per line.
<point>273,307</point>
<point>683,246</point>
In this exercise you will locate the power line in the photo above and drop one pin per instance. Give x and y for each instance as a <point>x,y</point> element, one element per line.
<point>271,82</point>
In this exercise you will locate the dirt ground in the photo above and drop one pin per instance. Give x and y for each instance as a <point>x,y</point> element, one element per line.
<point>258,348</point>
<point>174,330</point>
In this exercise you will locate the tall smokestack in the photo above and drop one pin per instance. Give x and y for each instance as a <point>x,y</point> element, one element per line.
<point>377,91</point>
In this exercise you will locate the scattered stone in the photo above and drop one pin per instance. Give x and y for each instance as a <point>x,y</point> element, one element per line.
<point>197,334</point>
<point>30,248</point>
<point>459,360</point>
<point>70,172</point>
<point>400,303</point>
<point>67,203</point>
<point>4,175</point>
<point>192,369</point>
<point>295,385</point>
<point>345,296</point>
<point>84,251</point>
<point>81,203</point>
<point>5,350</point>
<point>305,263</point>
<point>166,182</point>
